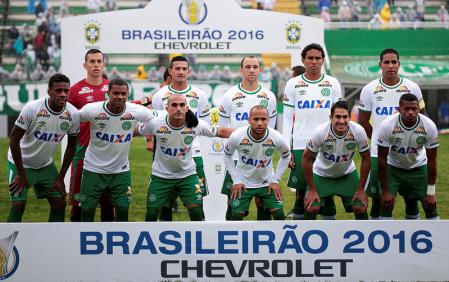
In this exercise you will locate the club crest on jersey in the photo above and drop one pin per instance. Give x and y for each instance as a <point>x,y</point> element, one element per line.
<point>403,89</point>
<point>127,116</point>
<point>66,116</point>
<point>325,92</point>
<point>101,116</point>
<point>350,146</point>
<point>48,137</point>
<point>188,140</point>
<point>238,96</point>
<point>301,84</point>
<point>379,89</point>
<point>64,126</point>
<point>269,152</point>
<point>193,103</point>
<point>420,140</point>
<point>245,142</point>
<point>126,125</point>
<point>192,12</point>
<point>264,103</point>
<point>163,130</point>
<point>314,104</point>
<point>43,113</point>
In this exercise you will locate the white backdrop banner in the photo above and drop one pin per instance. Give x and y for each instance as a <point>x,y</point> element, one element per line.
<point>232,251</point>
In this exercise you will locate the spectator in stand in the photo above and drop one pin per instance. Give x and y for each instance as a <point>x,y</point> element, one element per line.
<point>32,5</point>
<point>325,15</point>
<point>27,35</point>
<point>216,73</point>
<point>420,9</point>
<point>375,22</point>
<point>268,5</point>
<point>51,71</point>
<point>344,12</point>
<point>356,11</point>
<point>399,15</point>
<point>64,9</point>
<point>202,73</point>
<point>378,5</point>
<point>38,73</point>
<point>370,8</point>
<point>4,74</point>
<point>93,6</point>
<point>442,14</point>
<point>13,34</point>
<point>385,14</point>
<point>114,74</point>
<point>259,4</point>
<point>322,4</point>
<point>111,5</point>
<point>153,74</point>
<point>30,60</point>
<point>411,13</point>
<point>227,74</point>
<point>17,74</point>
<point>141,74</point>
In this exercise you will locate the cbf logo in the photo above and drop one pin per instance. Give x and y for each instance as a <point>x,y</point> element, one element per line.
<point>193,12</point>
<point>9,256</point>
<point>92,32</point>
<point>293,32</point>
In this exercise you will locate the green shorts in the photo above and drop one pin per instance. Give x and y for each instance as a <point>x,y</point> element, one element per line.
<point>242,205</point>
<point>296,179</point>
<point>94,184</point>
<point>227,183</point>
<point>344,187</point>
<point>41,179</point>
<point>411,184</point>
<point>374,190</point>
<point>160,189</point>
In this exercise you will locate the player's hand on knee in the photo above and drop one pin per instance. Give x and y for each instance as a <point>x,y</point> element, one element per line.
<point>361,196</point>
<point>430,202</point>
<point>310,198</point>
<point>276,189</point>
<point>59,185</point>
<point>388,200</point>
<point>236,191</point>
<point>17,185</point>
<point>291,164</point>
<point>359,209</point>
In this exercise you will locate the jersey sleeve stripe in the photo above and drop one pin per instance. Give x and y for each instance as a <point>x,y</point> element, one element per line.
<point>289,105</point>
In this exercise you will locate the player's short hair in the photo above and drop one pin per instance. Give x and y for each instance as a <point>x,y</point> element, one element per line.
<point>313,46</point>
<point>166,75</point>
<point>59,77</point>
<point>178,59</point>
<point>408,97</point>
<point>388,51</point>
<point>298,70</point>
<point>340,104</point>
<point>258,107</point>
<point>250,57</point>
<point>92,51</point>
<point>117,81</point>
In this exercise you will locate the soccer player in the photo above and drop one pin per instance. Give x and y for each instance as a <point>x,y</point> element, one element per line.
<point>234,108</point>
<point>378,100</point>
<point>407,158</point>
<point>197,103</point>
<point>173,167</point>
<point>91,89</point>
<point>307,103</point>
<point>41,125</point>
<point>330,151</point>
<point>253,175</point>
<point>106,165</point>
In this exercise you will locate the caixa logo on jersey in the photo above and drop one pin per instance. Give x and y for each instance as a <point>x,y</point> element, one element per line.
<point>9,256</point>
<point>192,12</point>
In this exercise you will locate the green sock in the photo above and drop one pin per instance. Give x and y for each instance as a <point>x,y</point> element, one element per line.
<point>87,215</point>
<point>166,214</point>
<point>195,213</point>
<point>236,216</point>
<point>375,207</point>
<point>152,214</point>
<point>15,214</point>
<point>298,208</point>
<point>262,215</point>
<point>121,214</point>
<point>361,216</point>
<point>310,216</point>
<point>57,214</point>
<point>278,214</point>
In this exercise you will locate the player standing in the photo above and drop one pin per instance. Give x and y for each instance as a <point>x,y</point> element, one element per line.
<point>379,99</point>
<point>307,103</point>
<point>41,126</point>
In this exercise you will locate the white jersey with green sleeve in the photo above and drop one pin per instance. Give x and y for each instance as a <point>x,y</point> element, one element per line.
<point>196,100</point>
<point>312,102</point>
<point>111,135</point>
<point>336,153</point>
<point>44,130</point>
<point>236,103</point>
<point>383,101</point>
<point>173,158</point>
<point>255,157</point>
<point>407,144</point>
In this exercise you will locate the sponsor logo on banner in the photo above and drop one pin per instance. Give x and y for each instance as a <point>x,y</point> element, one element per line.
<point>9,256</point>
<point>92,31</point>
<point>293,33</point>
<point>192,12</point>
